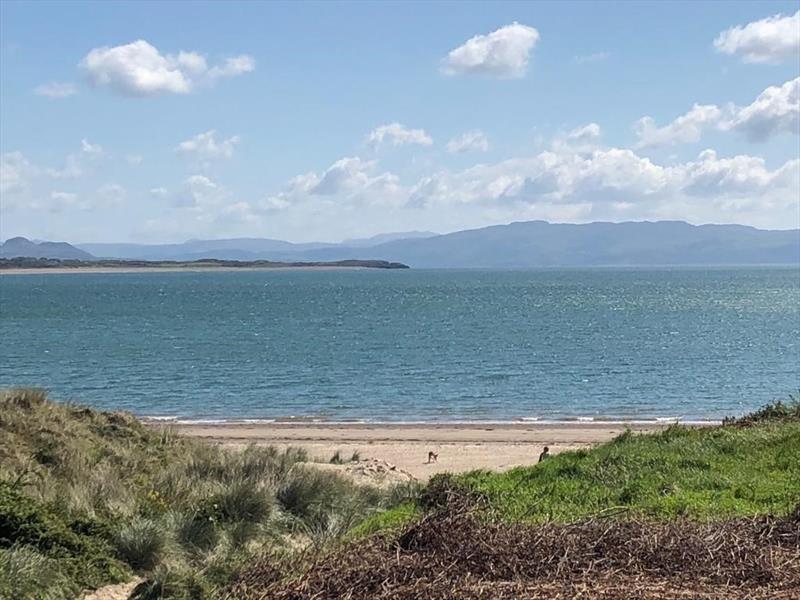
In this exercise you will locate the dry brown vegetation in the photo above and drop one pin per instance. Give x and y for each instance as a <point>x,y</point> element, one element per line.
<point>456,551</point>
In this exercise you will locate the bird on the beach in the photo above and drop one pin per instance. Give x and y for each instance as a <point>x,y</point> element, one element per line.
<point>545,454</point>
<point>432,457</point>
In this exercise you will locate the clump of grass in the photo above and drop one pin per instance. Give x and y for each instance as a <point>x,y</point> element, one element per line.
<point>306,490</point>
<point>140,543</point>
<point>777,411</point>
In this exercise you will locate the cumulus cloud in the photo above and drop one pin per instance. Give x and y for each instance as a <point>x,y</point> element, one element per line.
<point>344,175</point>
<point>139,69</point>
<point>201,192</point>
<point>684,129</point>
<point>397,134</point>
<point>470,141</point>
<point>588,132</point>
<point>205,147</point>
<point>770,40</point>
<point>55,89</point>
<point>614,183</point>
<point>776,110</point>
<point>502,53</point>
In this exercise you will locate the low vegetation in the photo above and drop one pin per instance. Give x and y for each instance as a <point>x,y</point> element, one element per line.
<point>89,498</point>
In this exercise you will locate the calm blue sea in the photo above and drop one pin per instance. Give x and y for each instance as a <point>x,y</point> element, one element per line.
<point>417,345</point>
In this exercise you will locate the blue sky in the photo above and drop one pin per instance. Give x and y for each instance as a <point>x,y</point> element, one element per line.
<point>324,121</point>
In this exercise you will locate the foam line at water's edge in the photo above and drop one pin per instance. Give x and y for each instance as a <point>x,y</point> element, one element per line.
<point>474,422</point>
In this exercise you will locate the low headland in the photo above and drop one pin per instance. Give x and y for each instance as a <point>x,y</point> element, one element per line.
<point>28,265</point>
<point>90,499</point>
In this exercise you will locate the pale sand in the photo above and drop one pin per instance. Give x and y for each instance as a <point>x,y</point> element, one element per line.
<point>460,447</point>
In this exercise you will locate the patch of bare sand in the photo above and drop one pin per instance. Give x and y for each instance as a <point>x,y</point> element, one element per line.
<point>119,591</point>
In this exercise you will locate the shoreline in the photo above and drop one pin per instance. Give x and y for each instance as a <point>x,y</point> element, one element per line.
<point>460,447</point>
<point>106,270</point>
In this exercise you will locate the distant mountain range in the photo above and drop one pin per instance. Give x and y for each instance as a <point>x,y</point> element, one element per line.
<point>517,245</point>
<point>20,246</point>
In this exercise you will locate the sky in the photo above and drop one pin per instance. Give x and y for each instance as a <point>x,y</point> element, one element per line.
<point>162,122</point>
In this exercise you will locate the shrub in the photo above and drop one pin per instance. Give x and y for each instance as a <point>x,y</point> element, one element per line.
<point>26,574</point>
<point>80,548</point>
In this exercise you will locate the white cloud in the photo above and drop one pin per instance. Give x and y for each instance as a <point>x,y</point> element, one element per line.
<point>233,67</point>
<point>139,69</point>
<point>770,40</point>
<point>469,141</point>
<point>15,172</point>
<point>595,57</point>
<point>91,149</point>
<point>398,135</point>
<point>134,159</point>
<point>776,110</point>
<point>55,89</point>
<point>204,146</point>
<point>686,128</point>
<point>501,53</point>
<point>345,175</point>
<point>588,132</point>
<point>201,192</point>
<point>159,192</point>
<point>616,183</point>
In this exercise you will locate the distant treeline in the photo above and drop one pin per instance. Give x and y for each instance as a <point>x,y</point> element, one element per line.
<point>24,262</point>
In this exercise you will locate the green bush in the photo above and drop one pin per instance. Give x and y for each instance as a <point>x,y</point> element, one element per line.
<point>26,574</point>
<point>77,549</point>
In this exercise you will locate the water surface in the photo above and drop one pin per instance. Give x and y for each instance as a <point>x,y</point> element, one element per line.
<point>408,345</point>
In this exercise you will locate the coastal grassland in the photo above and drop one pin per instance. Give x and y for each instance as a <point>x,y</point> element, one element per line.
<point>747,466</point>
<point>89,498</point>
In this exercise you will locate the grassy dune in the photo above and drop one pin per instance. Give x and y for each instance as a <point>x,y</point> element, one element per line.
<point>89,498</point>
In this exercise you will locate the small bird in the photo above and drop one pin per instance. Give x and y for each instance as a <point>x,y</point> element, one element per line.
<point>432,457</point>
<point>545,454</point>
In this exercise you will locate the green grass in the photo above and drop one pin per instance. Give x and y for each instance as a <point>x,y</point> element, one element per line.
<point>87,498</point>
<point>749,466</point>
<point>703,473</point>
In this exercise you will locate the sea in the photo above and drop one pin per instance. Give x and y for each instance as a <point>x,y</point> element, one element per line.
<point>408,345</point>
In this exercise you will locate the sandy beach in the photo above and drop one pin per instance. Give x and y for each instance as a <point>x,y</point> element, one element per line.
<point>461,447</point>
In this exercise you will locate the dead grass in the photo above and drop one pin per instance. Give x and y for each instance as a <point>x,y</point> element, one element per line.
<point>455,552</point>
